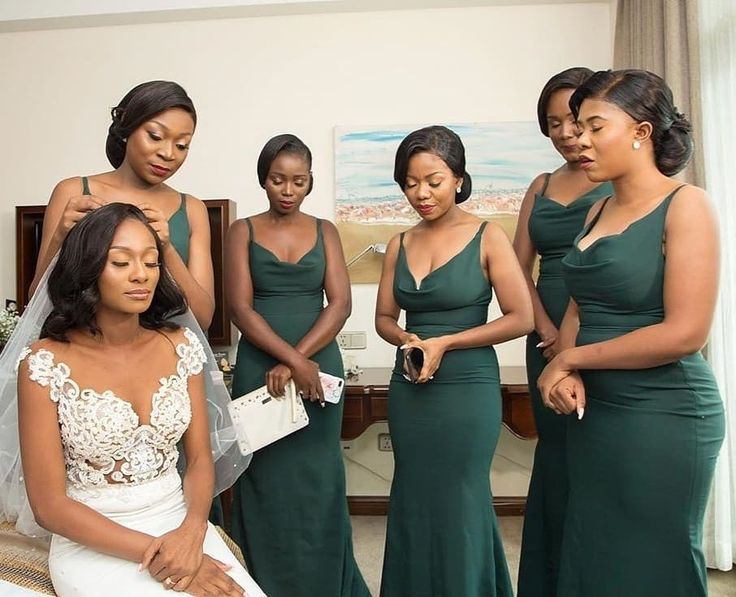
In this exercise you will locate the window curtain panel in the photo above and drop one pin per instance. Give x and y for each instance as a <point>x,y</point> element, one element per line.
<point>661,36</point>
<point>718,82</point>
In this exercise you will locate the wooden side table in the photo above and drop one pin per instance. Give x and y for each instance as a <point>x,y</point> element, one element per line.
<point>366,402</point>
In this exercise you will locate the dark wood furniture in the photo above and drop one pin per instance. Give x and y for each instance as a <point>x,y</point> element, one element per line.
<point>366,402</point>
<point>221,212</point>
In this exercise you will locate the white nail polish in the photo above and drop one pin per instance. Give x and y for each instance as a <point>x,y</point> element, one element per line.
<point>540,344</point>
<point>581,412</point>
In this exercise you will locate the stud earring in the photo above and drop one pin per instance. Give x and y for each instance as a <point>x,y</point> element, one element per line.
<point>636,145</point>
<point>458,190</point>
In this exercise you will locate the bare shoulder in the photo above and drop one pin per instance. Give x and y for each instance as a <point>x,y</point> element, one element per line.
<point>176,335</point>
<point>494,233</point>
<point>393,245</point>
<point>538,182</point>
<point>239,229</point>
<point>66,188</point>
<point>196,208</point>
<point>49,344</point>
<point>691,201</point>
<point>328,227</point>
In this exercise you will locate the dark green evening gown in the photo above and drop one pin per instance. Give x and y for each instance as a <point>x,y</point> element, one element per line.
<point>641,461</point>
<point>442,537</point>
<point>552,229</point>
<point>290,514</point>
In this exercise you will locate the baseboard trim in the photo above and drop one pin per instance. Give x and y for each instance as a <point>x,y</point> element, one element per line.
<point>377,505</point>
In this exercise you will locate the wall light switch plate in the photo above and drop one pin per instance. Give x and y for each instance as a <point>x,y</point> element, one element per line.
<point>352,340</point>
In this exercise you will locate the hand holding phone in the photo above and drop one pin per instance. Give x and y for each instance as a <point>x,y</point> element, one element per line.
<point>413,363</point>
<point>331,387</point>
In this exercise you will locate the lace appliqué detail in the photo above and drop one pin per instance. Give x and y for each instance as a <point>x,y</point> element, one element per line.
<point>104,442</point>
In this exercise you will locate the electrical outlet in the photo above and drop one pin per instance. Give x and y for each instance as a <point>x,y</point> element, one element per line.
<point>343,341</point>
<point>384,442</point>
<point>351,340</point>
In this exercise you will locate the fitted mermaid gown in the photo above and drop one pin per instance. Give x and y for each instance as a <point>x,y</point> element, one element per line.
<point>442,538</point>
<point>641,461</point>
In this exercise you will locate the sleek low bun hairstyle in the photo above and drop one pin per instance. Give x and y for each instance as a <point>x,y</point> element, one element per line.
<point>285,143</point>
<point>646,98</point>
<point>442,142</point>
<point>571,78</point>
<point>139,105</point>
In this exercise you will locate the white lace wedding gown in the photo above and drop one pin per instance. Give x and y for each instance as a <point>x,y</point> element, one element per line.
<point>125,471</point>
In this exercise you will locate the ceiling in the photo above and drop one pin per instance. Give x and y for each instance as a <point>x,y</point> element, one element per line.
<point>27,15</point>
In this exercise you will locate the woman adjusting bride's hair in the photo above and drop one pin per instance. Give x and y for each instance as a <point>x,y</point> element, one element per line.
<point>103,400</point>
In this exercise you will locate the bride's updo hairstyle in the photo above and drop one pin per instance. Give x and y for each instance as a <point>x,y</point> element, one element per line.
<point>72,284</point>
<point>140,105</point>
<point>439,141</point>
<point>646,98</point>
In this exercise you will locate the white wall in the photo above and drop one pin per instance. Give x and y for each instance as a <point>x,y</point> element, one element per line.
<point>252,78</point>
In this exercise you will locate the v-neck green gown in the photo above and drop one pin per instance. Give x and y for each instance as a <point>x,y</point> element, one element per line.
<point>641,460</point>
<point>552,228</point>
<point>290,514</point>
<point>442,537</point>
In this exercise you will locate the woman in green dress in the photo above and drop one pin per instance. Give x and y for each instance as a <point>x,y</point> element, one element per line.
<point>290,513</point>
<point>643,276</point>
<point>552,213</point>
<point>147,142</point>
<point>442,537</point>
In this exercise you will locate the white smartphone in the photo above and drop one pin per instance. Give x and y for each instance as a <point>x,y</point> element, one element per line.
<point>331,387</point>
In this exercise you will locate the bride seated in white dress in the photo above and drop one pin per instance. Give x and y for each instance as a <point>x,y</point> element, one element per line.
<point>103,400</point>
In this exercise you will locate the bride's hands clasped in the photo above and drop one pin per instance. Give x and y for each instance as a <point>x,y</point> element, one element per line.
<point>175,557</point>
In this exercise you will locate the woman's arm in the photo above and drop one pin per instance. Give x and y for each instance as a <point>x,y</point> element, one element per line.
<point>45,480</point>
<point>387,311</point>
<point>337,290</point>
<point>177,555</point>
<point>527,254</point>
<point>195,278</point>
<point>239,292</point>
<point>65,208</point>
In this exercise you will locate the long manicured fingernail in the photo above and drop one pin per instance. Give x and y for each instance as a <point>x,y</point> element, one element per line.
<point>402,347</point>
<point>540,344</point>
<point>581,412</point>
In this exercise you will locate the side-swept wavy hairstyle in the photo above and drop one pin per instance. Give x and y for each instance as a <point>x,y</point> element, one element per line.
<point>73,283</point>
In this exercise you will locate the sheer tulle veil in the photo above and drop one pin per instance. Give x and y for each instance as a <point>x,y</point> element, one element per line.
<point>14,506</point>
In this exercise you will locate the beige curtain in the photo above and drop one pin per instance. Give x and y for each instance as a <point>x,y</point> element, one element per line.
<point>661,36</point>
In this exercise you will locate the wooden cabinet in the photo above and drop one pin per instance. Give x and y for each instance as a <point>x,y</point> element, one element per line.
<point>366,402</point>
<point>221,212</point>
